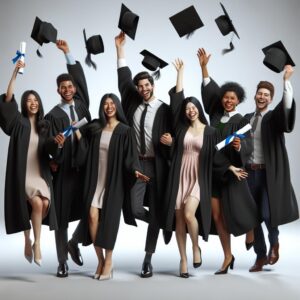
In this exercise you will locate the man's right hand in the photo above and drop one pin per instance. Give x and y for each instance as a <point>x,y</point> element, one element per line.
<point>62,45</point>
<point>120,39</point>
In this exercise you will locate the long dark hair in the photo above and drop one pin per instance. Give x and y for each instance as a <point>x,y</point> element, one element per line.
<point>196,102</point>
<point>42,125</point>
<point>96,125</point>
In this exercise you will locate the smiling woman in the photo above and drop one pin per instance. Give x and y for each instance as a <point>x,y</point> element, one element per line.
<point>28,177</point>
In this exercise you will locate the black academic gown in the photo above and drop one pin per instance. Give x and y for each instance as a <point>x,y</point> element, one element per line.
<point>203,212</point>
<point>162,124</point>
<point>17,208</point>
<point>238,206</point>
<point>282,199</point>
<point>121,163</point>
<point>67,181</point>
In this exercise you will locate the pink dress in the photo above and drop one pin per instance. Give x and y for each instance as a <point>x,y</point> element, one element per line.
<point>188,181</point>
<point>35,185</point>
<point>102,168</point>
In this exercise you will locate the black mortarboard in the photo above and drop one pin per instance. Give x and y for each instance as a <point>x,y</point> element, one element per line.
<point>153,63</point>
<point>276,57</point>
<point>43,32</point>
<point>94,45</point>
<point>186,21</point>
<point>128,21</point>
<point>226,26</point>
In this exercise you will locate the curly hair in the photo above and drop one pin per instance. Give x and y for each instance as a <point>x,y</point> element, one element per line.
<point>233,87</point>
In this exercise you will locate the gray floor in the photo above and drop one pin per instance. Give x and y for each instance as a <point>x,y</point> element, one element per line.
<point>20,280</point>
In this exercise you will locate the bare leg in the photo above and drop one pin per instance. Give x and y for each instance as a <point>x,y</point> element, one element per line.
<point>222,231</point>
<point>93,227</point>
<point>250,237</point>
<point>36,220</point>
<point>108,264</point>
<point>181,240</point>
<point>27,248</point>
<point>192,225</point>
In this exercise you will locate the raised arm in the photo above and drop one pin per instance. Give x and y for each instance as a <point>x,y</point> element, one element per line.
<point>179,66</point>
<point>284,114</point>
<point>126,86</point>
<point>11,84</point>
<point>176,94</point>
<point>75,69</point>
<point>203,58</point>
<point>120,41</point>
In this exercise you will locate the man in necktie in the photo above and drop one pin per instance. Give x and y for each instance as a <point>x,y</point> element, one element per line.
<point>67,182</point>
<point>268,169</point>
<point>150,118</point>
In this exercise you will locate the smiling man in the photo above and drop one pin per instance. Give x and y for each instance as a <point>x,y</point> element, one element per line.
<point>269,172</point>
<point>150,118</point>
<point>67,177</point>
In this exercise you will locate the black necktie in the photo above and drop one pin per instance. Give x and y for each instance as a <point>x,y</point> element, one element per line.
<point>254,124</point>
<point>72,113</point>
<point>142,129</point>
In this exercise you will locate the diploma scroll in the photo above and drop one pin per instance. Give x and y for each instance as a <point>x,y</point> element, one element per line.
<point>22,56</point>
<point>68,131</point>
<point>230,138</point>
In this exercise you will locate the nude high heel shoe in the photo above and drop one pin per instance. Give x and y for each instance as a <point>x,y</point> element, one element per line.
<point>37,261</point>
<point>108,276</point>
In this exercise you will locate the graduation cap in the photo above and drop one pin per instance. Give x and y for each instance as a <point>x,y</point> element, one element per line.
<point>43,33</point>
<point>226,26</point>
<point>94,45</point>
<point>186,21</point>
<point>128,21</point>
<point>276,57</point>
<point>153,63</point>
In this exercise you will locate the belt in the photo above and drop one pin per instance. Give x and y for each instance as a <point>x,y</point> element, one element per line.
<point>255,167</point>
<point>149,158</point>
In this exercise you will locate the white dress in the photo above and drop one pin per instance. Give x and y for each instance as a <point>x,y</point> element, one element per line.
<point>102,167</point>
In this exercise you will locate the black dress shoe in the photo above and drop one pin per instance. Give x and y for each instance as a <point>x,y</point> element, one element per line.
<point>146,270</point>
<point>167,236</point>
<point>62,270</point>
<point>75,253</point>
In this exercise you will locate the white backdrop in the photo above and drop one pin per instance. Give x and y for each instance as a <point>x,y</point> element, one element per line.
<point>258,22</point>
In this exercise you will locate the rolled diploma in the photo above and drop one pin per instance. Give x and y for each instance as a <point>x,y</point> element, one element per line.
<point>243,130</point>
<point>22,58</point>
<point>79,124</point>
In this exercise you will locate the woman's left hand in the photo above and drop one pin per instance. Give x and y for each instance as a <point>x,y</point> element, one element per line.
<point>141,176</point>
<point>238,172</point>
<point>166,139</point>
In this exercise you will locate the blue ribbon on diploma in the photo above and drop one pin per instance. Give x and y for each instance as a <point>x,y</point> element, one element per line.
<point>227,140</point>
<point>69,130</point>
<point>18,56</point>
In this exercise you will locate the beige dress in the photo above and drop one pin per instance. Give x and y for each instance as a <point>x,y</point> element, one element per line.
<point>35,185</point>
<point>188,181</point>
<point>102,167</point>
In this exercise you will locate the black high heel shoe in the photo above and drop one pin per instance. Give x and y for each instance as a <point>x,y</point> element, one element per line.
<point>249,245</point>
<point>183,275</point>
<point>198,264</point>
<point>225,270</point>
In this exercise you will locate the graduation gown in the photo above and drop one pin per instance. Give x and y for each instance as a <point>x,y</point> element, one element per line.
<point>282,199</point>
<point>17,208</point>
<point>67,181</point>
<point>203,212</point>
<point>121,164</point>
<point>238,206</point>
<point>162,124</point>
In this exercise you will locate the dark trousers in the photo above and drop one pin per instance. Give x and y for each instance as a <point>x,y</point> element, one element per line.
<point>138,193</point>
<point>258,187</point>
<point>61,241</point>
